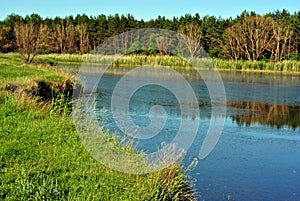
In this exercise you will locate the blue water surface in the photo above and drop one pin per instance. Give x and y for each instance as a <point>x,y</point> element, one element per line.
<point>256,158</point>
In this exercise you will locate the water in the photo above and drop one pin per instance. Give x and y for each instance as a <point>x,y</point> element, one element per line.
<point>258,154</point>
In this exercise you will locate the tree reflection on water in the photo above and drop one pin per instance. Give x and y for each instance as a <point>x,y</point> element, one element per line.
<point>266,114</point>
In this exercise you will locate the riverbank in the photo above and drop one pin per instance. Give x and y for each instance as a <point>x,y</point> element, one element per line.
<point>286,66</point>
<point>41,155</point>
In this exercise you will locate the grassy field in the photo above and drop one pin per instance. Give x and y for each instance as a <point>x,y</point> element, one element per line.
<point>42,157</point>
<point>175,61</point>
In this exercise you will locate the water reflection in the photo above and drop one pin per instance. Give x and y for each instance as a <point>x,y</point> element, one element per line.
<point>273,115</point>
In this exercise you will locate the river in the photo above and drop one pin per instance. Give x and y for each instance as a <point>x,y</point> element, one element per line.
<point>258,154</point>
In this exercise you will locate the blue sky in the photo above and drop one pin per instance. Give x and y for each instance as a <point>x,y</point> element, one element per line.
<point>142,8</point>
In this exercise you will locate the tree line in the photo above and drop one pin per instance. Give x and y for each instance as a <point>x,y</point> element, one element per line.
<point>273,36</point>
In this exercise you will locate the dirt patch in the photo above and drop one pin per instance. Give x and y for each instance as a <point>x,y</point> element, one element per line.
<point>45,91</point>
<point>48,91</point>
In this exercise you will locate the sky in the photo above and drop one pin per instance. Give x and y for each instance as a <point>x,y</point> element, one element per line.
<point>144,9</point>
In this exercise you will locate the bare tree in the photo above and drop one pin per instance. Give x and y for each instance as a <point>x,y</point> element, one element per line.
<point>83,37</point>
<point>27,36</point>
<point>60,32</point>
<point>46,39</point>
<point>255,36</point>
<point>230,45</point>
<point>70,37</point>
<point>256,32</point>
<point>249,38</point>
<point>281,46</point>
<point>162,44</point>
<point>193,39</point>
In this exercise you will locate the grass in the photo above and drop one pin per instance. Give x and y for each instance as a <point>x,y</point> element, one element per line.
<point>61,58</point>
<point>13,71</point>
<point>286,66</point>
<point>259,66</point>
<point>42,157</point>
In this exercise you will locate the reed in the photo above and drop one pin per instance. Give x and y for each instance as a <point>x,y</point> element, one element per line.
<point>262,66</point>
<point>174,61</point>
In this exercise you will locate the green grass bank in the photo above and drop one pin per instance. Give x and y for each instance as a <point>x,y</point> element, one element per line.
<point>41,155</point>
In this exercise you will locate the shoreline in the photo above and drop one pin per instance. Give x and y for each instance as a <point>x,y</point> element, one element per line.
<point>259,71</point>
<point>250,71</point>
<point>283,67</point>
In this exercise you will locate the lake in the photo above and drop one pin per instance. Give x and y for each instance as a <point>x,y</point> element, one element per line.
<point>258,154</point>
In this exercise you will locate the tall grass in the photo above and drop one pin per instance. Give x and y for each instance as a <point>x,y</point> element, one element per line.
<point>283,66</point>
<point>65,58</point>
<point>155,60</point>
<point>176,61</point>
<point>127,60</point>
